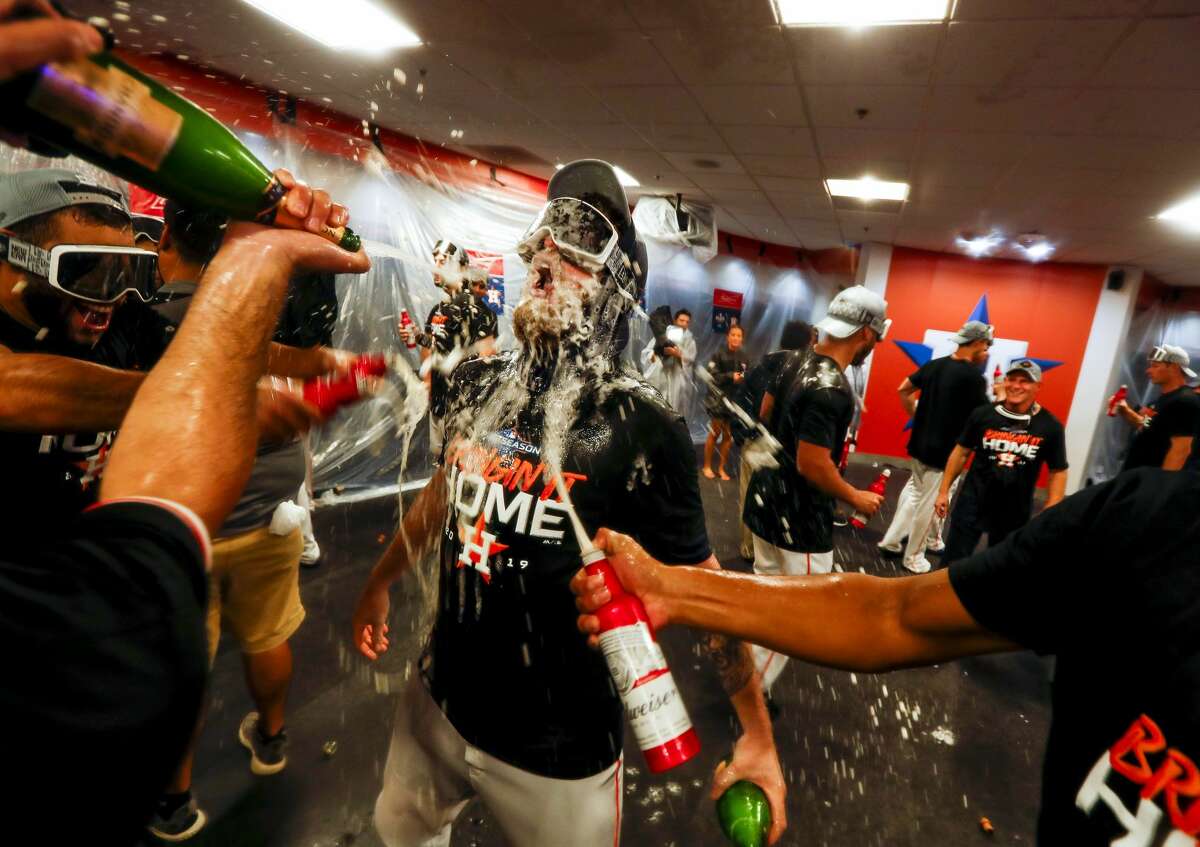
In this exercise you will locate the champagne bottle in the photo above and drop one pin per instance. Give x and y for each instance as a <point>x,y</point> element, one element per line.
<point>106,112</point>
<point>744,814</point>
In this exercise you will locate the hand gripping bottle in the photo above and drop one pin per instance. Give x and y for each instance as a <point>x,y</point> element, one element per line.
<point>1121,394</point>
<point>858,520</point>
<point>407,321</point>
<point>744,814</point>
<point>329,395</point>
<point>652,703</point>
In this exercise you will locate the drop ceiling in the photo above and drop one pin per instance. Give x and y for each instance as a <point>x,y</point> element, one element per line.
<point>1079,119</point>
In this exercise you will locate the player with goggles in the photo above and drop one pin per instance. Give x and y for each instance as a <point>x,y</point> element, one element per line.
<point>97,273</point>
<point>584,235</point>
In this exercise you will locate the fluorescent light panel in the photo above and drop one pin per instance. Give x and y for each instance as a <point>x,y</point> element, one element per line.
<point>867,189</point>
<point>1186,213</point>
<point>860,12</point>
<point>356,25</point>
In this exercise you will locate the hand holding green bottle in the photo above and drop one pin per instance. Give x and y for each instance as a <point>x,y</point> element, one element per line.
<point>745,814</point>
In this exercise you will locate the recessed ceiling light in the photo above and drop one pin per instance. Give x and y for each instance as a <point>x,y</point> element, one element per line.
<point>867,188</point>
<point>859,12</point>
<point>1186,214</point>
<point>979,245</point>
<point>357,25</point>
<point>1034,245</point>
<point>624,178</point>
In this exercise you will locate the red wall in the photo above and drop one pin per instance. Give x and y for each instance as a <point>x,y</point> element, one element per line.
<point>1049,305</point>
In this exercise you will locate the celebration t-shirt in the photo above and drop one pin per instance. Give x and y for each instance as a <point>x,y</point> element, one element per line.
<point>455,324</point>
<point>1174,414</point>
<point>1010,450</point>
<point>814,404</point>
<point>506,662</point>
<point>1109,581</point>
<point>950,390</point>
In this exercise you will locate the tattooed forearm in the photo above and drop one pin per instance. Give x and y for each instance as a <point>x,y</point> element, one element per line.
<point>732,659</point>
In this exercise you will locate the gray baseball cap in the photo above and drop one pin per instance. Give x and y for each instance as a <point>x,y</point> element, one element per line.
<point>1026,366</point>
<point>852,309</point>
<point>974,331</point>
<point>27,194</point>
<point>1173,355</point>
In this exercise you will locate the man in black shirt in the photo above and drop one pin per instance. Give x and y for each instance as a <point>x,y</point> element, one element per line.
<point>1106,581</point>
<point>808,408</point>
<point>1165,429</point>
<point>510,705</point>
<point>1010,441</point>
<point>459,327</point>
<point>950,388</point>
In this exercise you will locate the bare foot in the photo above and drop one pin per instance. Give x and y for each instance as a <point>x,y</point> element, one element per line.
<point>708,473</point>
<point>724,475</point>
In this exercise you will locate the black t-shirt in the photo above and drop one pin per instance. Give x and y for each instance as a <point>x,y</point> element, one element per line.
<point>1009,452</point>
<point>310,312</point>
<point>751,390</point>
<point>813,403</point>
<point>104,655</point>
<point>1170,416</point>
<point>455,324</point>
<point>506,662</point>
<point>950,390</point>
<point>723,365</point>
<point>51,477</point>
<point>1109,581</point>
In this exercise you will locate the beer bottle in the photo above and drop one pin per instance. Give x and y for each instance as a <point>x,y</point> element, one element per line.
<point>107,113</point>
<point>744,814</point>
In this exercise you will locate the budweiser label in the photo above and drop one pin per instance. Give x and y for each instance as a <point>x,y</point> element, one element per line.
<point>108,110</point>
<point>639,669</point>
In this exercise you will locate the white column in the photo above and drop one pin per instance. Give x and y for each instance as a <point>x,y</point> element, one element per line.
<point>874,264</point>
<point>1098,373</point>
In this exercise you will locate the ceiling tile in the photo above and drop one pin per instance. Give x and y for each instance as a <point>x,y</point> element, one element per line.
<point>1010,56</point>
<point>769,140</point>
<point>792,185</point>
<point>981,109</point>
<point>589,60</point>
<point>991,148</point>
<point>682,138</point>
<point>716,181</point>
<point>887,107</point>
<point>658,104</point>
<point>868,226</point>
<point>726,55</point>
<point>791,166</point>
<point>808,206</point>
<point>749,202</point>
<point>669,14</point>
<point>882,55</point>
<point>816,235</point>
<point>778,105</point>
<point>1161,53</point>
<point>838,143</point>
<point>686,162</point>
<point>1135,112</point>
<point>856,167</point>
<point>611,135</point>
<point>1046,9</point>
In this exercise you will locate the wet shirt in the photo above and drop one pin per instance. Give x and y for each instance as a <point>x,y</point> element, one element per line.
<point>1170,416</point>
<point>950,390</point>
<point>814,404</point>
<point>51,477</point>
<point>1109,582</point>
<point>455,324</point>
<point>751,390</point>
<point>723,365</point>
<point>506,662</point>
<point>1010,450</point>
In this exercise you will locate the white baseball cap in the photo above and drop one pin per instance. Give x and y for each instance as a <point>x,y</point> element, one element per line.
<point>1173,355</point>
<point>852,309</point>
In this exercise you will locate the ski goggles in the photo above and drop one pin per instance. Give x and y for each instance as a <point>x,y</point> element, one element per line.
<point>583,234</point>
<point>1169,354</point>
<point>97,273</point>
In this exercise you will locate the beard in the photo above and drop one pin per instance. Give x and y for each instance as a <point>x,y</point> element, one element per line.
<point>555,305</point>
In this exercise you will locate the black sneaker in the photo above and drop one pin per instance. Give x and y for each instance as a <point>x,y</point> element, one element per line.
<point>267,755</point>
<point>181,825</point>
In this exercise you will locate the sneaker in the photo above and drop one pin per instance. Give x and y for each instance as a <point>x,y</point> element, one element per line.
<point>183,823</point>
<point>267,756</point>
<point>921,565</point>
<point>311,556</point>
<point>889,552</point>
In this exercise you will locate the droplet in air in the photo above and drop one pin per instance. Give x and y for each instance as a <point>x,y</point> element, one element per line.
<point>400,76</point>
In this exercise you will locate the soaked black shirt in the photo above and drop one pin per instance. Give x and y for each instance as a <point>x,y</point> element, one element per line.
<point>813,403</point>
<point>455,324</point>
<point>51,477</point>
<point>723,365</point>
<point>1174,414</point>
<point>506,662</point>
<point>1109,581</point>
<point>950,390</point>
<point>1010,450</point>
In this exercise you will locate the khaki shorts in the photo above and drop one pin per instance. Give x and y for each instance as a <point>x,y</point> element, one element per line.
<point>254,589</point>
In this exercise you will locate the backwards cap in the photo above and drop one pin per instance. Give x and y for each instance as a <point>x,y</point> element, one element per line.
<point>28,194</point>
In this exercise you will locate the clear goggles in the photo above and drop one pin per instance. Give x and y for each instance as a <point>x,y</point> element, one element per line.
<point>97,273</point>
<point>583,234</point>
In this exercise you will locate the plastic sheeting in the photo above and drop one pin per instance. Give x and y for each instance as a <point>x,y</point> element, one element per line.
<point>1159,324</point>
<point>658,218</point>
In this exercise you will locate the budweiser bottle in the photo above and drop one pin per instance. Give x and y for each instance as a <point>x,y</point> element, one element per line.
<point>329,395</point>
<point>119,119</point>
<point>858,520</point>
<point>652,703</point>
<point>406,321</point>
<point>1121,394</point>
<point>744,814</point>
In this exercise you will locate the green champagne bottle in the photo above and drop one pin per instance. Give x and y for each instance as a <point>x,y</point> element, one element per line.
<point>119,119</point>
<point>745,814</point>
